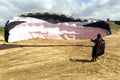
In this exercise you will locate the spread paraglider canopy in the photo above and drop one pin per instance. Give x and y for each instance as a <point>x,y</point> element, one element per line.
<point>52,26</point>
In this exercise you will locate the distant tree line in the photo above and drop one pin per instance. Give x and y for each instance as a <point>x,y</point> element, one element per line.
<point>116,22</point>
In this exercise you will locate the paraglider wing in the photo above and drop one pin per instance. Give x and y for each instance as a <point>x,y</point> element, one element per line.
<point>23,28</point>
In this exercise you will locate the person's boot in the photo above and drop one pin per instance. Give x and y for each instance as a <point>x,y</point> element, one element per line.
<point>93,59</point>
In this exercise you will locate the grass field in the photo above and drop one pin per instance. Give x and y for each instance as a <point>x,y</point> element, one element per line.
<point>1,31</point>
<point>41,59</point>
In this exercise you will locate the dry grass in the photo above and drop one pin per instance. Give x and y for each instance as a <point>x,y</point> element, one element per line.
<point>40,59</point>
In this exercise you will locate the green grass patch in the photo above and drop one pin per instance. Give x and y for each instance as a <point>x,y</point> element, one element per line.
<point>114,27</point>
<point>1,30</point>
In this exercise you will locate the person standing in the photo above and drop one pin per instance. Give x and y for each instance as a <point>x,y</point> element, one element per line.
<point>98,48</point>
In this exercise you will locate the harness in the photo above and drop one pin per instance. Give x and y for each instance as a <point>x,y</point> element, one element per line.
<point>99,46</point>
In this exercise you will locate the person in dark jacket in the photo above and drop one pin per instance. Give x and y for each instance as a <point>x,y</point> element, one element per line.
<point>98,48</point>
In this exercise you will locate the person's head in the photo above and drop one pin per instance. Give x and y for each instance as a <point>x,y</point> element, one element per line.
<point>99,35</point>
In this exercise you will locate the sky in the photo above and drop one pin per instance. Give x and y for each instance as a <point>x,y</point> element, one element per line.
<point>83,9</point>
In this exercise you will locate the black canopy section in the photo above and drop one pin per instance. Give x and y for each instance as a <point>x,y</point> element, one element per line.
<point>100,24</point>
<point>9,26</point>
<point>52,18</point>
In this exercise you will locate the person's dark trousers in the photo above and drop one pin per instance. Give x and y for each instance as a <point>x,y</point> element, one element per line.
<point>94,52</point>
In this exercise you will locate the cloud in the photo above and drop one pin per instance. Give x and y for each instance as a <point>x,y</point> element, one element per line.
<point>99,9</point>
<point>32,5</point>
<point>11,8</point>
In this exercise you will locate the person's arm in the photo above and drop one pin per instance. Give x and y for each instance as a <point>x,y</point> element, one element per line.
<point>94,40</point>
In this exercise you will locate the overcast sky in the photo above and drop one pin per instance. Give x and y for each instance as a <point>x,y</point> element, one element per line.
<point>98,9</point>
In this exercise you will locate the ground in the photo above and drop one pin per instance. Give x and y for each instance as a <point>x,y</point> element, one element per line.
<point>41,59</point>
